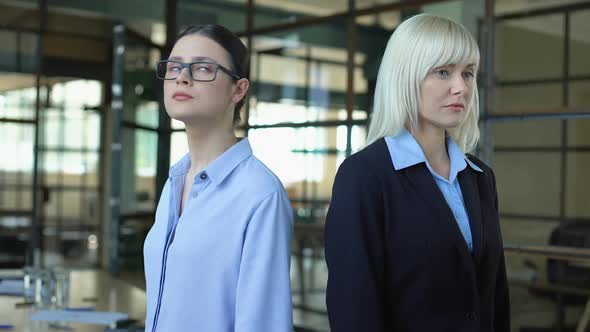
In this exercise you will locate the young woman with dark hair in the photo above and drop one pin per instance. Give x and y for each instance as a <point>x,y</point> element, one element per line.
<point>217,257</point>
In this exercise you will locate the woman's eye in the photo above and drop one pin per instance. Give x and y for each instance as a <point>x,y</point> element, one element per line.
<point>204,68</point>
<point>443,72</point>
<point>469,74</point>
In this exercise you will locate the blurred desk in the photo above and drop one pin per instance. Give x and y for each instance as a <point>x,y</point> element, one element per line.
<point>88,288</point>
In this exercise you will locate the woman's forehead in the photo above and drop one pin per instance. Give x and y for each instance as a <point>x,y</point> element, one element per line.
<point>196,58</point>
<point>193,48</point>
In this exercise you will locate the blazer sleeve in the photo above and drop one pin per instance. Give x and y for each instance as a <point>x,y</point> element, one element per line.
<point>355,251</point>
<point>502,297</point>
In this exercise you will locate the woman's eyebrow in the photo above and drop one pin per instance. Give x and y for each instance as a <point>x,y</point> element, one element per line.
<point>193,59</point>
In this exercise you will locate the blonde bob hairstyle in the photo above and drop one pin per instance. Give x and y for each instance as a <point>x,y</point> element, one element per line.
<point>419,45</point>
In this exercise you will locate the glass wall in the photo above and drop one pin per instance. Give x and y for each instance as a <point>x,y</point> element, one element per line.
<point>68,124</point>
<point>541,147</point>
<point>298,121</point>
<point>17,130</point>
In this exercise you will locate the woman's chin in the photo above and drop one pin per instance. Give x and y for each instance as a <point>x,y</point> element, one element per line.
<point>186,116</point>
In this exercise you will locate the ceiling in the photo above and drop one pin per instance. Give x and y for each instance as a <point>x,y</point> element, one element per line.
<point>326,7</point>
<point>552,25</point>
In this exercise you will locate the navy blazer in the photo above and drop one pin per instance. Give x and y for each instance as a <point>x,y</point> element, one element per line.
<point>397,260</point>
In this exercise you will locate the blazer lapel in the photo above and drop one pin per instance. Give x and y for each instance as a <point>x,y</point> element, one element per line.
<point>469,188</point>
<point>424,184</point>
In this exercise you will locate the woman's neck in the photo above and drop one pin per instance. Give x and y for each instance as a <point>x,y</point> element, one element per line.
<point>432,140</point>
<point>205,144</point>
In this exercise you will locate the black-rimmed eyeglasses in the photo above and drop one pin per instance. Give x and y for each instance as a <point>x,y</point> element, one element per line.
<point>199,71</point>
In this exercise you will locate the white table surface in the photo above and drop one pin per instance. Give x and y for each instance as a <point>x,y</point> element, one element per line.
<point>109,295</point>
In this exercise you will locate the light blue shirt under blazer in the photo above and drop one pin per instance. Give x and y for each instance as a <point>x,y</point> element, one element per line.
<point>224,264</point>
<point>406,152</point>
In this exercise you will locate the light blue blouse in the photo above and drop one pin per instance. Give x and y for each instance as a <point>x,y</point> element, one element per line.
<point>224,264</point>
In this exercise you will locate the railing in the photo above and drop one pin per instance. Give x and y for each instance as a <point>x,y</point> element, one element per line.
<point>580,256</point>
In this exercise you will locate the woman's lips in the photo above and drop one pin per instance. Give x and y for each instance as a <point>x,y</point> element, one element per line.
<point>179,96</point>
<point>457,106</point>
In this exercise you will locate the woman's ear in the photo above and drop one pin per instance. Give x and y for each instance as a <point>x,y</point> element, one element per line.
<point>242,86</point>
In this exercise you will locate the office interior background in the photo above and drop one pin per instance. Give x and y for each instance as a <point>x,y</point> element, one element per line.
<point>85,144</point>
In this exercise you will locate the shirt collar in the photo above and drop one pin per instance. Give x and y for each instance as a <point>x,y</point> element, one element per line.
<point>405,152</point>
<point>221,167</point>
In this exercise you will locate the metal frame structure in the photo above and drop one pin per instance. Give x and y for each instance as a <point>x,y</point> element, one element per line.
<point>564,114</point>
<point>36,221</point>
<point>39,189</point>
<point>119,44</point>
<point>122,37</point>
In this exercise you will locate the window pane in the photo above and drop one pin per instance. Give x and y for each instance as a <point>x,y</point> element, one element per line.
<point>17,104</point>
<point>91,209</point>
<point>270,12</point>
<point>53,128</point>
<point>16,141</point>
<point>578,190</point>
<point>298,77</point>
<point>520,40</point>
<point>76,94</point>
<point>144,113</point>
<point>72,121</point>
<point>528,183</point>
<point>233,15</point>
<point>75,129</point>
<point>528,99</point>
<point>70,168</point>
<point>578,132</point>
<point>527,133</point>
<point>146,152</point>
<point>138,170</point>
<point>72,207</point>
<point>53,207</point>
<point>9,45</point>
<point>92,132</point>
<point>527,231</point>
<point>178,146</point>
<point>579,44</point>
<point>580,95</point>
<point>300,155</point>
<point>579,129</point>
<point>19,50</point>
<point>16,198</point>
<point>359,137</point>
<point>92,168</point>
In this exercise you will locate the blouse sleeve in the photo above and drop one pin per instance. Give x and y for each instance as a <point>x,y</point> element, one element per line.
<point>263,297</point>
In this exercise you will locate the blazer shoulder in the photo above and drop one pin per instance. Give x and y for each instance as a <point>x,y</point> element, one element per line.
<point>487,169</point>
<point>374,157</point>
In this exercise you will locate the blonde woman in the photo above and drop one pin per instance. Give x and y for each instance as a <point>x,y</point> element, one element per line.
<point>412,235</point>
